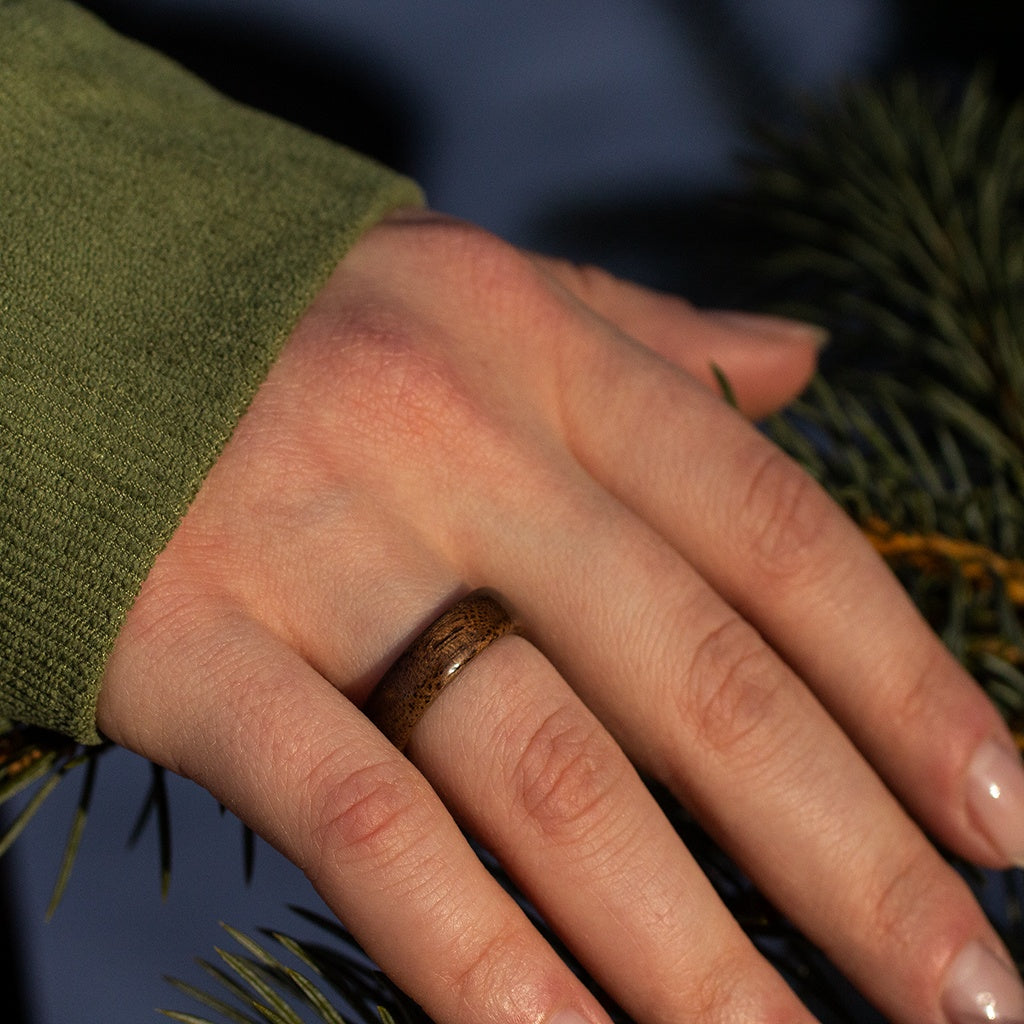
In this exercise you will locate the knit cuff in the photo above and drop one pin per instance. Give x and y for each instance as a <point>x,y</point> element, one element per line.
<point>157,245</point>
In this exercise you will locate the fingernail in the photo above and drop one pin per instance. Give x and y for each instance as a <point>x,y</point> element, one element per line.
<point>772,328</point>
<point>569,1017</point>
<point>981,988</point>
<point>995,795</point>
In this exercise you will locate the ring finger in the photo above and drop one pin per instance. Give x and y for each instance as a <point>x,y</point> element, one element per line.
<point>300,765</point>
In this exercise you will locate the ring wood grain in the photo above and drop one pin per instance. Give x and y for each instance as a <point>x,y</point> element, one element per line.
<point>432,661</point>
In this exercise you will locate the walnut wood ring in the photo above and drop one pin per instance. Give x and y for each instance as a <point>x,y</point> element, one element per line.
<point>432,661</point>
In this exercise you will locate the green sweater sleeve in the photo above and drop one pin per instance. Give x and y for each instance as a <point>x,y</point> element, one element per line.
<point>157,244</point>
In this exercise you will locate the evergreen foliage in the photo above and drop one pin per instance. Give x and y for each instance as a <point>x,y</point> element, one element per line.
<point>903,214</point>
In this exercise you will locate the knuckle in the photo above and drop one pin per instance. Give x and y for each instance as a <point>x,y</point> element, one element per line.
<point>587,281</point>
<point>367,812</point>
<point>403,385</point>
<point>912,909</point>
<point>912,703</point>
<point>479,973</point>
<point>490,271</point>
<point>784,516</point>
<point>732,689</point>
<point>738,986</point>
<point>498,273</point>
<point>902,902</point>
<point>504,287</point>
<point>888,905</point>
<point>564,774</point>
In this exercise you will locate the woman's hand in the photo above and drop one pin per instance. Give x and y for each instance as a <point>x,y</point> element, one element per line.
<point>451,414</point>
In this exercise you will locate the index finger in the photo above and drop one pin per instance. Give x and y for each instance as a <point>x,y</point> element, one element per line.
<point>773,544</point>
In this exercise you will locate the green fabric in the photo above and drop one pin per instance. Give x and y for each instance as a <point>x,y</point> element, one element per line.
<point>157,244</point>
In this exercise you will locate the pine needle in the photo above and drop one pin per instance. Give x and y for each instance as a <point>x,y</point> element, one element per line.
<point>225,1010</point>
<point>74,836</point>
<point>724,385</point>
<point>157,804</point>
<point>18,825</point>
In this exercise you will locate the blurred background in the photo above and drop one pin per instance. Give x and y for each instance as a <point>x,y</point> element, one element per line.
<point>605,131</point>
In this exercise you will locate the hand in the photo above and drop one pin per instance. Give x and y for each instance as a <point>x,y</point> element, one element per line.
<point>452,414</point>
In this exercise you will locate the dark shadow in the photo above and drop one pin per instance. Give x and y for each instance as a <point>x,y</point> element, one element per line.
<point>12,978</point>
<point>684,242</point>
<point>945,37</point>
<point>339,92</point>
<point>730,58</point>
<point>694,243</point>
<point>690,243</point>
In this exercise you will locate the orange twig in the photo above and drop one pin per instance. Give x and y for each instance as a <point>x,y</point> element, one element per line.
<point>935,552</point>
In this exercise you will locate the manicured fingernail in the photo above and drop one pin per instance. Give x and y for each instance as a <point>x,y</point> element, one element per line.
<point>995,795</point>
<point>569,1017</point>
<point>772,328</point>
<point>981,988</point>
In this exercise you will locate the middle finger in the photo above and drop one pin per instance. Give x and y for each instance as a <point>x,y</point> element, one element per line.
<point>532,773</point>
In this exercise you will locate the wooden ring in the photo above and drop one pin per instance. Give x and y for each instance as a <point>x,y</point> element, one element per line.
<point>432,661</point>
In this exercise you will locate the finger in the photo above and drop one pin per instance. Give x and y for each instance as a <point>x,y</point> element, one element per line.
<point>695,696</point>
<point>276,743</point>
<point>535,778</point>
<point>767,360</point>
<point>780,552</point>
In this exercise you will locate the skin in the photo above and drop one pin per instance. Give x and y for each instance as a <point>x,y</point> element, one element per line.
<point>451,414</point>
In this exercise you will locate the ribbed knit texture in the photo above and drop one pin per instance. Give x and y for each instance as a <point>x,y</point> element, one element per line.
<point>157,245</point>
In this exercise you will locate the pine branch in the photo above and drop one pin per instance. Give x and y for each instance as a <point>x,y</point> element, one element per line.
<point>902,219</point>
<point>265,986</point>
